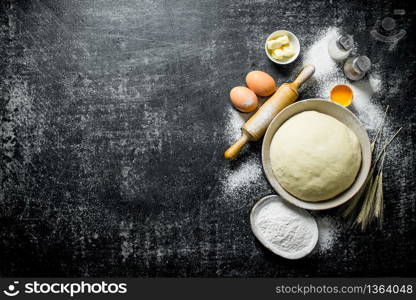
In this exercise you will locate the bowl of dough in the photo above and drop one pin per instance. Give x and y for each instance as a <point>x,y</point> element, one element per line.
<point>316,154</point>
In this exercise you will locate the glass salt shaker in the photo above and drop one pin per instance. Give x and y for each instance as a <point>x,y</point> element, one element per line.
<point>340,47</point>
<point>355,68</point>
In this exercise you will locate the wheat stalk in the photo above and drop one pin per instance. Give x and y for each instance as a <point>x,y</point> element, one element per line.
<point>368,203</point>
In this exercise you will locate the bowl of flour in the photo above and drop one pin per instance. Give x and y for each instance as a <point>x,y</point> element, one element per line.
<point>284,229</point>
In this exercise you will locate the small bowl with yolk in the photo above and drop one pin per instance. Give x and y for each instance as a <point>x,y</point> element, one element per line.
<point>341,94</point>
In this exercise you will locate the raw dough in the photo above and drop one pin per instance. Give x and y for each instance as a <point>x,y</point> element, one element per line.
<point>314,156</point>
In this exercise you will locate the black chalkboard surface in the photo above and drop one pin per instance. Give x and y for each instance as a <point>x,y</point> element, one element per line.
<point>115,116</point>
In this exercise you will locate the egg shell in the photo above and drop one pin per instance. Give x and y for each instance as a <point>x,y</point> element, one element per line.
<point>243,99</point>
<point>261,83</point>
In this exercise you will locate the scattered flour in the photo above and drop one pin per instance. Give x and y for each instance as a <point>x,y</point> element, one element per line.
<point>126,245</point>
<point>235,120</point>
<point>249,172</point>
<point>317,55</point>
<point>246,174</point>
<point>329,232</point>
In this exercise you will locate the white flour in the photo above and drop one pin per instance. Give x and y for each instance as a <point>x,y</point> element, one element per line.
<point>329,232</point>
<point>248,173</point>
<point>317,55</point>
<point>245,175</point>
<point>235,120</point>
<point>284,228</point>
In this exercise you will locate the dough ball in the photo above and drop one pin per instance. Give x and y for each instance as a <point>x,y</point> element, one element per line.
<point>314,156</point>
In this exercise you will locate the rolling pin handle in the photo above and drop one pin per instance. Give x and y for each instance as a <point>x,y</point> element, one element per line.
<point>237,146</point>
<point>304,75</point>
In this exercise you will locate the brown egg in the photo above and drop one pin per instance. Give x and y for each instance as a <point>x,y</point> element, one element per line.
<point>243,99</point>
<point>261,83</point>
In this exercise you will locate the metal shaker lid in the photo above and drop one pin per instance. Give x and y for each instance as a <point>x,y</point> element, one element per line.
<point>363,63</point>
<point>345,42</point>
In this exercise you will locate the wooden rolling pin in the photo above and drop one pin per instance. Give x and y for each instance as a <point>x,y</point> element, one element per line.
<point>256,126</point>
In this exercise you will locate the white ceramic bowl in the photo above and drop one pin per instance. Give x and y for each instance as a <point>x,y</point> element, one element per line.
<point>293,40</point>
<point>301,253</point>
<point>341,114</point>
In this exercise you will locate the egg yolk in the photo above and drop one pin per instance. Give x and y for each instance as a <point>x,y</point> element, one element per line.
<point>341,94</point>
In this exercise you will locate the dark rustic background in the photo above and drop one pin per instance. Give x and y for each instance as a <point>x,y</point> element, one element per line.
<point>112,136</point>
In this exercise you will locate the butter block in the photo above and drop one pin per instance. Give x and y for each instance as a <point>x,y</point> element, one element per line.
<point>288,51</point>
<point>278,54</point>
<point>277,43</point>
<point>273,44</point>
<point>283,40</point>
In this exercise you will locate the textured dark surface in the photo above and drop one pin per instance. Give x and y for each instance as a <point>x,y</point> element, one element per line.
<point>112,136</point>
